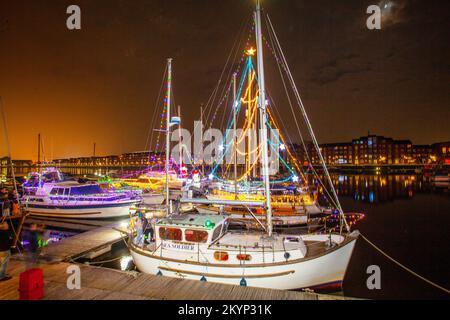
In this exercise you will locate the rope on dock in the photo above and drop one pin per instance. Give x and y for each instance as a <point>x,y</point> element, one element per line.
<point>404,267</point>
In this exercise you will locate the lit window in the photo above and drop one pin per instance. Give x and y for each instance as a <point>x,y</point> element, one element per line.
<point>196,236</point>
<point>170,234</point>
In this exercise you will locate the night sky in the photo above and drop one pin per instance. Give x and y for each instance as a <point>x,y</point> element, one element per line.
<point>100,83</point>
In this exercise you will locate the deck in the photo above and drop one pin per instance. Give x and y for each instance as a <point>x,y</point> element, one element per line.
<point>107,284</point>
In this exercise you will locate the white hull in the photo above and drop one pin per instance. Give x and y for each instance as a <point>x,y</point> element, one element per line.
<point>328,268</point>
<point>82,213</point>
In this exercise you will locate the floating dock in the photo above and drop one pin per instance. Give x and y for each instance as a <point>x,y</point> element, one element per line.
<point>108,284</point>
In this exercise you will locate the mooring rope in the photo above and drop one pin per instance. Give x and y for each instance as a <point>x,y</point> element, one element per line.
<point>404,267</point>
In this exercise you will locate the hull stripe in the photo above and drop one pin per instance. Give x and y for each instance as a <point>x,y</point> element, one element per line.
<point>212,275</point>
<point>37,213</point>
<point>75,207</point>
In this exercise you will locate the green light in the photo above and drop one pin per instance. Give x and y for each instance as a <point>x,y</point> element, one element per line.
<point>209,224</point>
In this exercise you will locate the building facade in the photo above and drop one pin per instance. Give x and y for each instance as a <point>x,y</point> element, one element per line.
<point>375,150</point>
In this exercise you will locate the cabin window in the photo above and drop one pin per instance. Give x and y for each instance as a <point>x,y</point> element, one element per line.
<point>66,191</point>
<point>225,227</point>
<point>54,191</point>
<point>244,257</point>
<point>60,191</point>
<point>196,236</point>
<point>221,256</point>
<point>216,233</point>
<point>170,234</point>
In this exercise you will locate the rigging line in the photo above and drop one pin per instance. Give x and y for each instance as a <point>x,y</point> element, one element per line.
<point>13,176</point>
<point>209,103</point>
<point>310,129</point>
<point>404,267</point>
<point>297,125</point>
<point>301,136</point>
<point>224,111</point>
<point>241,85</point>
<point>150,133</point>
<point>289,100</point>
<point>235,49</point>
<point>289,152</point>
<point>238,42</point>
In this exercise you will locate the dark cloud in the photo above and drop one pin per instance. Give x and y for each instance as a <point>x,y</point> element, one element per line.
<point>335,69</point>
<point>393,12</point>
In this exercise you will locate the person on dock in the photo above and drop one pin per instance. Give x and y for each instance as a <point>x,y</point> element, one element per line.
<point>6,206</point>
<point>15,208</point>
<point>33,252</point>
<point>139,240</point>
<point>5,250</point>
<point>151,230</point>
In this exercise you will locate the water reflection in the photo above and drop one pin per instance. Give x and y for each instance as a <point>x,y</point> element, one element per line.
<point>381,188</point>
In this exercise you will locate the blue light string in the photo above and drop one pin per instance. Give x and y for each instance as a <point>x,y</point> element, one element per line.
<point>231,123</point>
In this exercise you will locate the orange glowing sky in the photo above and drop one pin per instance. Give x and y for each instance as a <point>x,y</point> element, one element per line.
<point>100,84</point>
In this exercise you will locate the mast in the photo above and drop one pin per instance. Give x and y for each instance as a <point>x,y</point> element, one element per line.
<point>263,117</point>
<point>5,127</point>
<point>234,135</point>
<point>179,139</point>
<point>169,92</point>
<point>39,149</point>
<point>202,156</point>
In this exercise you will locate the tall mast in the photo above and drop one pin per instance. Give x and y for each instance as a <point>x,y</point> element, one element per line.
<point>263,116</point>
<point>235,135</point>
<point>179,140</point>
<point>168,101</point>
<point>5,128</point>
<point>39,149</point>
<point>202,155</point>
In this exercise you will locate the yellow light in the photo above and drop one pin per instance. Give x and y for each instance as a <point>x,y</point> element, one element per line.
<point>251,51</point>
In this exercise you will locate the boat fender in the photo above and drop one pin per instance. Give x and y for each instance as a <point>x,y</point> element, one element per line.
<point>203,279</point>
<point>159,273</point>
<point>287,255</point>
<point>243,282</point>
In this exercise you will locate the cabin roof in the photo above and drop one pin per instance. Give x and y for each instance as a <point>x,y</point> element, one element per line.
<point>193,220</point>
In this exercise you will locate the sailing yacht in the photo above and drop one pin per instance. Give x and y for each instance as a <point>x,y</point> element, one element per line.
<point>201,246</point>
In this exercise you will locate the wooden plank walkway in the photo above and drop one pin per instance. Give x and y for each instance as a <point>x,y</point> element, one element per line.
<point>79,245</point>
<point>108,284</point>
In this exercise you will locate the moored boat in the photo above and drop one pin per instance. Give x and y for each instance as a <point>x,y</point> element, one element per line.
<point>200,247</point>
<point>72,199</point>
